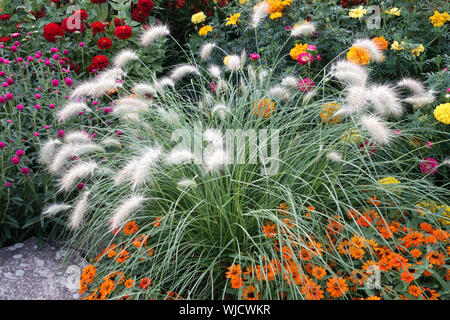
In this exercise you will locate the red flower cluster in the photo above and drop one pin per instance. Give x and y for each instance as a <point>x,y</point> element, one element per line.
<point>141,12</point>
<point>104,43</point>
<point>97,27</point>
<point>5,39</point>
<point>348,3</point>
<point>98,63</point>
<point>51,31</point>
<point>98,1</point>
<point>123,32</point>
<point>5,17</point>
<point>71,25</point>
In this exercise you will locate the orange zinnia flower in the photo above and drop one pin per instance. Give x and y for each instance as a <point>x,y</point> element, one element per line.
<point>413,238</point>
<point>435,258</point>
<point>157,222</point>
<point>407,277</point>
<point>416,253</point>
<point>269,230</point>
<point>122,256</point>
<point>336,286</point>
<point>129,283</point>
<point>106,287</point>
<point>429,294</point>
<point>414,290</point>
<point>145,283</point>
<point>312,291</point>
<point>318,272</point>
<point>248,293</point>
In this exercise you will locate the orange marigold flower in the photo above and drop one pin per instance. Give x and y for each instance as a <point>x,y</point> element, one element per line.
<point>249,293</point>
<point>145,283</point>
<point>336,286</point>
<point>269,230</point>
<point>263,108</point>
<point>358,55</point>
<point>373,298</point>
<point>381,43</point>
<point>357,253</point>
<point>130,227</point>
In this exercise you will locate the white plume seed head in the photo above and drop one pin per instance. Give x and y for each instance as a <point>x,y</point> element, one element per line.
<point>206,50</point>
<point>125,209</point>
<point>377,129</point>
<point>47,150</point>
<point>76,173</point>
<point>79,211</point>
<point>150,35</point>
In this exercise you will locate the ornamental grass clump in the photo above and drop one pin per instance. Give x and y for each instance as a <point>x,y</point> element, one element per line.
<point>239,191</point>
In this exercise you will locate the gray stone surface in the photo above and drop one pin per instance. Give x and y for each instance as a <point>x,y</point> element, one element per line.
<point>27,273</point>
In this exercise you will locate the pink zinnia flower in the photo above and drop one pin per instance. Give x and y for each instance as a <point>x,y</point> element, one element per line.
<point>428,166</point>
<point>311,47</point>
<point>305,84</point>
<point>305,58</point>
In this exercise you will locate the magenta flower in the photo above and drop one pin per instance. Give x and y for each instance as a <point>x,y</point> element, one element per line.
<point>36,134</point>
<point>15,160</point>
<point>9,96</point>
<point>81,44</point>
<point>38,107</point>
<point>51,106</point>
<point>2,73</point>
<point>8,184</point>
<point>305,84</point>
<point>20,153</point>
<point>13,48</point>
<point>19,107</point>
<point>61,133</point>
<point>37,96</point>
<point>2,145</point>
<point>80,185</point>
<point>305,58</point>
<point>254,56</point>
<point>429,144</point>
<point>4,85</point>
<point>2,99</point>
<point>68,81</point>
<point>53,50</point>
<point>428,166</point>
<point>25,170</point>
<point>10,81</point>
<point>55,82</point>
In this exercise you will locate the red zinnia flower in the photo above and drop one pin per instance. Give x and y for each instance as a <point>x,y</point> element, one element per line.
<point>83,14</point>
<point>123,32</point>
<point>5,17</point>
<point>104,43</point>
<point>145,5</point>
<point>97,27</point>
<point>145,283</point>
<point>139,15</point>
<point>5,39</point>
<point>52,30</point>
<point>118,22</point>
<point>98,63</point>
<point>71,25</point>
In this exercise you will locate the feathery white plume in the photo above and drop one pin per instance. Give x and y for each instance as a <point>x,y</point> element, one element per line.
<point>215,160</point>
<point>77,136</point>
<point>79,211</point>
<point>307,96</point>
<point>289,81</point>
<point>356,97</point>
<point>71,109</point>
<point>111,142</point>
<point>259,12</point>
<point>153,33</point>
<point>421,100</point>
<point>76,173</point>
<point>47,150</point>
<point>125,209</point>
<point>221,110</point>
<point>179,156</point>
<point>144,88</point>
<point>181,71</point>
<point>69,150</point>
<point>304,29</point>
<point>221,86</point>
<point>214,71</point>
<point>375,53</point>
<point>350,73</point>
<point>385,100</point>
<point>234,63</point>
<point>130,105</point>
<point>111,74</point>
<point>81,90</point>
<point>206,50</point>
<point>377,129</point>
<point>279,92</point>
<point>123,57</point>
<point>213,136</point>
<point>186,183</point>
<point>415,86</point>
<point>169,116</point>
<point>334,156</point>
<point>164,82</point>
<point>55,208</point>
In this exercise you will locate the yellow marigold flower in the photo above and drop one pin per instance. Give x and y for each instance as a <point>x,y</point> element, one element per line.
<point>233,19</point>
<point>198,17</point>
<point>297,50</point>
<point>204,30</point>
<point>438,19</point>
<point>275,6</point>
<point>243,1</point>
<point>358,55</point>
<point>328,110</point>
<point>225,60</point>
<point>352,136</point>
<point>275,15</point>
<point>397,46</point>
<point>389,180</point>
<point>394,12</point>
<point>416,51</point>
<point>357,13</point>
<point>442,113</point>
<point>287,3</point>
